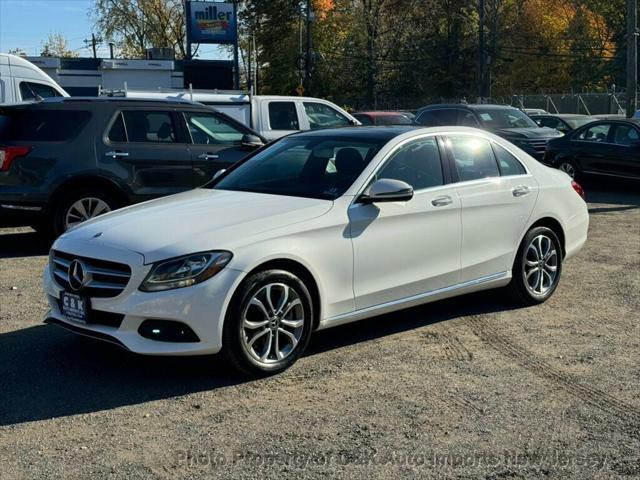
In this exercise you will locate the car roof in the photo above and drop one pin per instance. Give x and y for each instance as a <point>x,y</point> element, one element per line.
<point>385,133</point>
<point>470,106</point>
<point>380,113</point>
<point>105,99</point>
<point>567,116</point>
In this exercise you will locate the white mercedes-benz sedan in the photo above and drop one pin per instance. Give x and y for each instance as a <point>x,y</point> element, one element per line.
<point>316,230</point>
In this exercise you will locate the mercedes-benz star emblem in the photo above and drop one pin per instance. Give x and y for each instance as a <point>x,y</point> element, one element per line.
<point>78,275</point>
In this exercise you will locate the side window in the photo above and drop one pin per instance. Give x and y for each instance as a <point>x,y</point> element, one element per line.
<point>323,116</point>
<point>467,119</point>
<point>473,158</point>
<point>209,128</point>
<point>438,118</point>
<point>118,133</point>
<point>149,126</point>
<point>508,164</point>
<point>549,122</point>
<point>597,133</point>
<point>283,116</point>
<point>33,91</point>
<point>417,163</point>
<point>625,135</point>
<point>363,119</point>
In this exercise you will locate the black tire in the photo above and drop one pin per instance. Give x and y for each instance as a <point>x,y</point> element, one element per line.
<point>234,339</point>
<point>62,206</point>
<point>569,167</point>
<point>520,287</point>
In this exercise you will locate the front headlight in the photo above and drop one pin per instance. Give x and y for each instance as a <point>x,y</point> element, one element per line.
<point>185,271</point>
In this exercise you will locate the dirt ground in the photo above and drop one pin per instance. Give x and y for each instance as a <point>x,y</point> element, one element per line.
<point>465,388</point>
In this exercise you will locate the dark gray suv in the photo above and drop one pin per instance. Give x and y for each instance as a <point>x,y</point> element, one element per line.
<point>503,120</point>
<point>65,160</point>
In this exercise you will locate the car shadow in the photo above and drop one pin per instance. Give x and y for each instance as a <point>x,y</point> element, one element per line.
<point>46,372</point>
<point>16,243</point>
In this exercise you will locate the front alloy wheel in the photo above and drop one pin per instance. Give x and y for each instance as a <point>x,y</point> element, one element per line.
<point>272,324</point>
<point>268,324</point>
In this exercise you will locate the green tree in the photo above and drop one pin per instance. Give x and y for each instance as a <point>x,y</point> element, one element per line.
<point>135,25</point>
<point>56,45</point>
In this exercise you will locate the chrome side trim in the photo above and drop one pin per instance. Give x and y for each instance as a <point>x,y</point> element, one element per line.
<point>21,207</point>
<point>409,301</point>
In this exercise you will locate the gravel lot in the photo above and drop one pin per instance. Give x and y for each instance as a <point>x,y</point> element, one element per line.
<point>465,388</point>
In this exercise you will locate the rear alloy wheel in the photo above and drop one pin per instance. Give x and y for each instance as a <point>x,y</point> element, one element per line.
<point>269,323</point>
<point>537,267</point>
<point>80,206</point>
<point>568,167</point>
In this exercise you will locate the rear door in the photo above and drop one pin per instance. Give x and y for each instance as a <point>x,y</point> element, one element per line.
<point>144,147</point>
<point>279,118</point>
<point>497,196</point>
<point>216,142</point>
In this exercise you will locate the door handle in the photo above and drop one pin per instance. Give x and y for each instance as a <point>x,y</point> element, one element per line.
<point>520,191</point>
<point>208,156</point>
<point>116,154</point>
<point>442,201</point>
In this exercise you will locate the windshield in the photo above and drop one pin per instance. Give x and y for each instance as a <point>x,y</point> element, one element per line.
<point>315,167</point>
<point>393,120</point>
<point>497,118</point>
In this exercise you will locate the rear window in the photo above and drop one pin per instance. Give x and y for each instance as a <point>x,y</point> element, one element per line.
<point>36,125</point>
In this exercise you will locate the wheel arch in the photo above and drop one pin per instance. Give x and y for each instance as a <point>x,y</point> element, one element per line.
<point>300,270</point>
<point>88,181</point>
<point>554,225</point>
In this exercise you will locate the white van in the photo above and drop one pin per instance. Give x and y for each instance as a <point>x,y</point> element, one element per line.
<point>22,81</point>
<point>272,116</point>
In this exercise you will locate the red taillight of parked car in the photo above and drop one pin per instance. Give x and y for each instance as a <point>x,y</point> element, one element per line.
<point>578,188</point>
<point>9,154</point>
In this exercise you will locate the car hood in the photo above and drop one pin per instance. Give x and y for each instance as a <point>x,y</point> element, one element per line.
<point>530,133</point>
<point>193,221</point>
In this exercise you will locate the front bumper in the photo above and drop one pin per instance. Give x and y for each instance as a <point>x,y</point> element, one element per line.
<point>201,307</point>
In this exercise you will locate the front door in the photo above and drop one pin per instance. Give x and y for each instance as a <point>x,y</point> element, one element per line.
<point>144,148</point>
<point>402,249</point>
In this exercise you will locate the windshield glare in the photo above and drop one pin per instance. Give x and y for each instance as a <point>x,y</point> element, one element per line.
<point>314,167</point>
<point>578,122</point>
<point>496,118</point>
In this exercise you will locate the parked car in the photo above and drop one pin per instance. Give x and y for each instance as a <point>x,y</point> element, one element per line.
<point>22,81</point>
<point>564,123</point>
<point>272,116</point>
<point>535,111</point>
<point>383,118</point>
<point>503,120</point>
<point>605,147</point>
<point>317,230</point>
<point>65,160</point>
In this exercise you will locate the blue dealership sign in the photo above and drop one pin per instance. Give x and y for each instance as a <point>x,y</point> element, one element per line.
<point>212,22</point>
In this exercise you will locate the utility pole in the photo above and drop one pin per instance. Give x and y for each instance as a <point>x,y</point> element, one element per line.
<point>482,59</point>
<point>309,52</point>
<point>111,44</point>
<point>632,57</point>
<point>94,43</point>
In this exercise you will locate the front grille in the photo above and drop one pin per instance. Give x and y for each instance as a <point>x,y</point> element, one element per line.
<point>106,279</point>
<point>538,145</point>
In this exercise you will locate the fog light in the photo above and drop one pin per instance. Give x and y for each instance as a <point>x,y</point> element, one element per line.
<point>167,331</point>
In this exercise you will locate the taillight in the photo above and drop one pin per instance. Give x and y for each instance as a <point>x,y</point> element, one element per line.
<point>578,188</point>
<point>9,154</point>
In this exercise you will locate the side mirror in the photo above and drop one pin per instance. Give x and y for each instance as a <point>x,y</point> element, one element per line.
<point>219,173</point>
<point>251,141</point>
<point>387,190</point>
